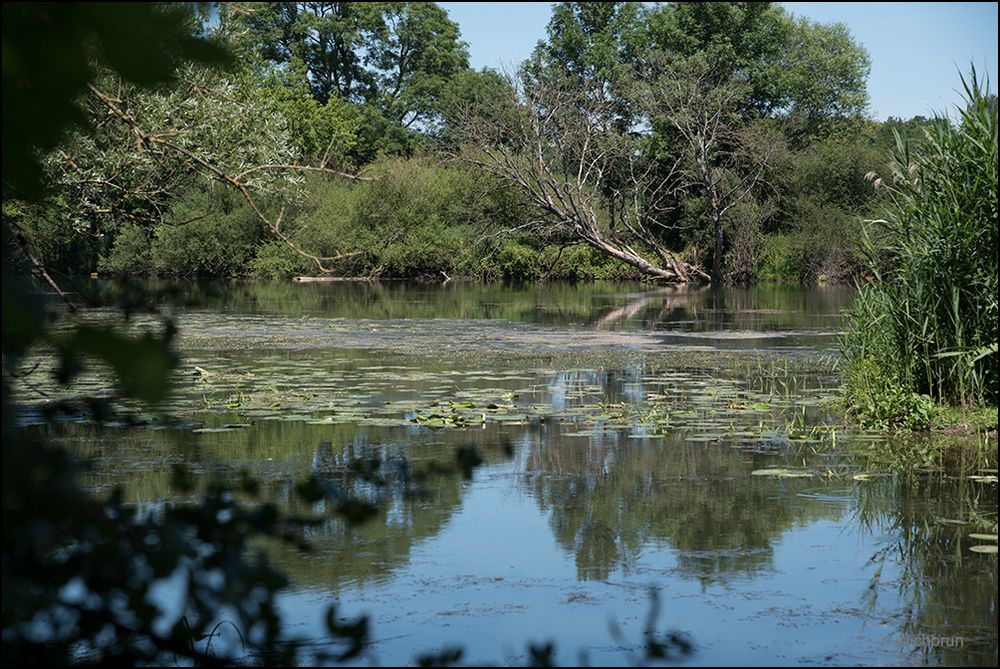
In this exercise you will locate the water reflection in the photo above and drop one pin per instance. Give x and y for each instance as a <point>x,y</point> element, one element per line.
<point>622,511</point>
<point>949,593</point>
<point>598,305</point>
<point>582,502</point>
<point>610,499</point>
<point>410,480</point>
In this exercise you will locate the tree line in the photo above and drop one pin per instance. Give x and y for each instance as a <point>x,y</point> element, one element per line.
<point>678,142</point>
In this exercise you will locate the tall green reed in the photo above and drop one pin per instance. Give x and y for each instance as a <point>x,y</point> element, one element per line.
<point>925,326</point>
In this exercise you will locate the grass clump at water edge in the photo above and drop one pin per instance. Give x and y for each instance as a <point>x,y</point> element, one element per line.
<point>923,331</point>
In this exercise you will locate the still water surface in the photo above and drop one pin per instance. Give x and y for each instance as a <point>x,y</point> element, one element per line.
<point>620,427</point>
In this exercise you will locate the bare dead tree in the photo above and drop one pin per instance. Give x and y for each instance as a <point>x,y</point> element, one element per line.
<point>585,176</point>
<point>720,154</point>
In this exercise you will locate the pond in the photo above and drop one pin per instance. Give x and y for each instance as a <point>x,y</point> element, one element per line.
<point>633,440</point>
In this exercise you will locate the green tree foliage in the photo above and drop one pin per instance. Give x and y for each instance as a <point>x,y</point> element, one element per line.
<point>692,96</point>
<point>415,219</point>
<point>42,229</point>
<point>821,195</point>
<point>394,59</point>
<point>208,231</point>
<point>596,47</point>
<point>742,40</point>
<point>414,51</point>
<point>593,39</point>
<point>824,74</point>
<point>323,39</point>
<point>464,91</point>
<point>104,180</point>
<point>325,134</point>
<point>912,131</point>
<point>791,66</point>
<point>927,323</point>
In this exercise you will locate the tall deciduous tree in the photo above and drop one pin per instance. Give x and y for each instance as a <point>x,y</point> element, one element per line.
<point>412,52</point>
<point>789,65</point>
<point>326,38</point>
<point>395,56</point>
<point>722,153</point>
<point>595,46</point>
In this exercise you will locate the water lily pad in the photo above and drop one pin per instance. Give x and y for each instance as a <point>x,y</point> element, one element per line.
<point>984,537</point>
<point>782,473</point>
<point>506,418</point>
<point>984,548</point>
<point>383,422</point>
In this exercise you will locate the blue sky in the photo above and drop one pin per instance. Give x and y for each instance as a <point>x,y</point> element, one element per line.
<point>917,49</point>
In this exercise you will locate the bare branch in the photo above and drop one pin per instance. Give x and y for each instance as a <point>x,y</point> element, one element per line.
<point>301,168</point>
<point>559,147</point>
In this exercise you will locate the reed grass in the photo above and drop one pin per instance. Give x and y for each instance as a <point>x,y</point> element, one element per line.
<point>924,328</point>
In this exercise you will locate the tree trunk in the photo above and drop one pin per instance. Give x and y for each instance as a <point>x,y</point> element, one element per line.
<point>717,255</point>
<point>674,272</point>
<point>709,182</point>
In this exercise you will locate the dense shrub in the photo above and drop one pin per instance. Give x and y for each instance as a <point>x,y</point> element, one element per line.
<point>61,244</point>
<point>277,260</point>
<point>416,218</point>
<point>584,263</point>
<point>130,253</point>
<point>209,230</point>
<point>513,261</point>
<point>820,195</point>
<point>820,246</point>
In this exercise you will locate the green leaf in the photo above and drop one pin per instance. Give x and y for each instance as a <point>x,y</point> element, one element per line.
<point>984,537</point>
